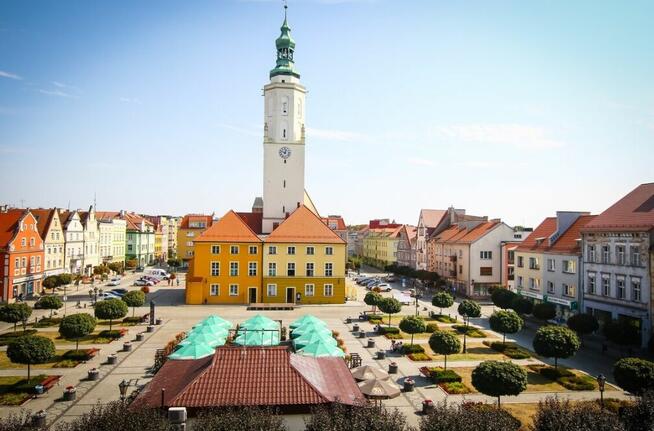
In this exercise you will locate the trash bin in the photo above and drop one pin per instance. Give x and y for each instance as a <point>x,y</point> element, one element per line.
<point>409,384</point>
<point>150,328</point>
<point>392,368</point>
<point>362,334</point>
<point>348,320</point>
<point>139,336</point>
<point>70,394</point>
<point>93,374</point>
<point>381,354</point>
<point>39,419</point>
<point>355,327</point>
<point>112,359</point>
<point>127,346</point>
<point>427,407</point>
<point>371,343</point>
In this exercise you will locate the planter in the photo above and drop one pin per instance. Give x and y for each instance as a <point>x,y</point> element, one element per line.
<point>127,346</point>
<point>381,354</point>
<point>112,359</point>
<point>392,368</point>
<point>150,328</point>
<point>159,322</point>
<point>93,374</point>
<point>348,320</point>
<point>427,407</point>
<point>139,336</point>
<point>409,384</point>
<point>39,419</point>
<point>355,328</point>
<point>362,334</point>
<point>70,394</point>
<point>371,343</point>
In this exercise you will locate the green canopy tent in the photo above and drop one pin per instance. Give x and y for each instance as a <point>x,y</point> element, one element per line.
<point>319,348</point>
<point>259,322</point>
<point>312,337</point>
<point>216,321</point>
<point>307,318</point>
<point>257,338</point>
<point>192,351</point>
<point>214,331</point>
<point>308,328</point>
<point>208,339</point>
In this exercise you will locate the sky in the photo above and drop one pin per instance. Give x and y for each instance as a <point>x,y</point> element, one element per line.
<point>509,109</point>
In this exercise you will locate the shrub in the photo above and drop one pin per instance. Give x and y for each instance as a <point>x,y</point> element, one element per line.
<point>112,334</point>
<point>444,343</point>
<point>47,321</point>
<point>132,320</point>
<point>340,417</point>
<point>394,336</point>
<point>419,357</point>
<point>242,418</point>
<point>511,350</point>
<point>8,337</point>
<point>431,327</point>
<point>145,289</point>
<point>455,388</point>
<point>413,325</point>
<point>445,319</point>
<point>114,416</point>
<point>577,383</point>
<point>494,378</point>
<point>622,332</point>
<point>439,375</point>
<point>634,374</point>
<point>505,322</point>
<point>555,414</point>
<point>556,342</point>
<point>544,311</point>
<point>522,305</point>
<point>77,355</point>
<point>442,300</point>
<point>583,324</point>
<point>389,330</point>
<point>470,331</point>
<point>503,298</point>
<point>412,348</point>
<point>468,417</point>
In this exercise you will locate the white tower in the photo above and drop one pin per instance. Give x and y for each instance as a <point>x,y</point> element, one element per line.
<point>283,139</point>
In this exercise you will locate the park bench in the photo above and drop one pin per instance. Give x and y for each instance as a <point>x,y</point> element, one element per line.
<point>49,382</point>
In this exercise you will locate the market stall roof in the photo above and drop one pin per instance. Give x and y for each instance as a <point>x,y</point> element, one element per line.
<point>259,322</point>
<point>319,348</point>
<point>305,319</point>
<point>369,372</point>
<point>257,338</point>
<point>311,337</point>
<point>192,351</point>
<point>308,328</point>
<point>379,389</point>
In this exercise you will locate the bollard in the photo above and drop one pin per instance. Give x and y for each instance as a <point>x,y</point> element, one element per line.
<point>139,336</point>
<point>392,368</point>
<point>348,320</point>
<point>427,407</point>
<point>409,384</point>
<point>39,419</point>
<point>93,374</point>
<point>371,343</point>
<point>159,321</point>
<point>150,328</point>
<point>112,359</point>
<point>362,334</point>
<point>381,354</point>
<point>127,346</point>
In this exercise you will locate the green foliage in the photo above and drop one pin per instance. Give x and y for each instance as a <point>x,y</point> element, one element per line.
<point>622,332</point>
<point>77,355</point>
<point>65,279</point>
<point>373,299</point>
<point>47,322</point>
<point>50,282</point>
<point>50,302</point>
<point>470,331</point>
<point>511,350</point>
<point>29,350</point>
<point>242,418</point>
<point>101,270</point>
<point>111,309</point>
<point>412,348</point>
<point>442,300</point>
<point>555,414</point>
<point>134,298</point>
<point>14,313</point>
<point>8,337</point>
<point>114,416</point>
<point>634,374</point>
<point>469,308</point>
<point>111,334</point>
<point>556,342</point>
<point>522,305</point>
<point>419,357</point>
<point>495,378</point>
<point>468,417</point>
<point>413,325</point>
<point>390,306</point>
<point>431,327</point>
<point>444,343</point>
<point>640,416</point>
<point>439,375</point>
<point>116,267</point>
<point>505,322</point>
<point>76,326</point>
<point>455,388</point>
<point>340,417</point>
<point>389,330</point>
<point>566,378</point>
<point>544,311</point>
<point>583,324</point>
<point>503,298</point>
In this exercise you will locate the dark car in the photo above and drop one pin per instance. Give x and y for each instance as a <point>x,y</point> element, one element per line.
<point>120,291</point>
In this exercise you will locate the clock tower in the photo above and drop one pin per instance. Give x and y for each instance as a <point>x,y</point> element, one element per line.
<point>283,136</point>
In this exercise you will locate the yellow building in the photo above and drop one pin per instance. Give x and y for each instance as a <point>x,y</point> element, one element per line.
<point>226,268</point>
<point>380,245</point>
<point>304,262</point>
<point>191,227</point>
<point>158,244</point>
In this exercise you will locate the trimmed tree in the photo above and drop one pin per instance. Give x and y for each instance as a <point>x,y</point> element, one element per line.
<point>467,309</point>
<point>503,298</point>
<point>76,326</point>
<point>583,324</point>
<point>373,299</point>
<point>495,378</point>
<point>29,350</point>
<point>51,282</point>
<point>14,313</point>
<point>522,305</point>
<point>50,302</point>
<point>556,342</point>
<point>444,343</point>
<point>622,332</point>
<point>110,309</point>
<point>390,306</point>
<point>442,300</point>
<point>413,325</point>
<point>544,311</point>
<point>505,322</point>
<point>635,375</point>
<point>134,298</point>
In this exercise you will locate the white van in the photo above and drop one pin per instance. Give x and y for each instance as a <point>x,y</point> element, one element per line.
<point>157,272</point>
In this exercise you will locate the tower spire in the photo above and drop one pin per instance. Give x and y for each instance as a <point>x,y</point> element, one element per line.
<point>285,50</point>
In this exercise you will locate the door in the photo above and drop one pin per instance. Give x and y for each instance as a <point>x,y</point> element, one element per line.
<point>253,295</point>
<point>290,295</point>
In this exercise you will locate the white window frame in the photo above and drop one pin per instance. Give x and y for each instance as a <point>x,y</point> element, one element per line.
<point>636,290</point>
<point>234,249</point>
<point>310,269</point>
<point>329,251</point>
<point>252,269</point>
<point>329,287</point>
<point>272,269</point>
<point>288,269</point>
<point>251,249</point>
<point>329,269</point>
<point>606,286</point>
<point>290,250</point>
<point>232,266</point>
<point>620,288</point>
<point>551,288</point>
<point>592,283</point>
<point>551,265</point>
<point>272,249</point>
<point>231,290</point>
<point>311,250</point>
<point>306,289</point>
<point>271,287</point>
<point>215,272</point>
<point>214,289</point>
<point>215,249</point>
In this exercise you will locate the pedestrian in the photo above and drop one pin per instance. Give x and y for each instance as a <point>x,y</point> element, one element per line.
<point>178,282</point>
<point>393,345</point>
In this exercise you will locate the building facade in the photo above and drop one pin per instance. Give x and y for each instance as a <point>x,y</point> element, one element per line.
<point>406,247</point>
<point>91,241</point>
<point>21,254</point>
<point>617,271</point>
<point>51,231</point>
<point>112,231</point>
<point>428,220</point>
<point>140,239</point>
<point>191,227</point>
<point>74,245</point>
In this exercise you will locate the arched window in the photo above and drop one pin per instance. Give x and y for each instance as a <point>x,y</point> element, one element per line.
<point>285,105</point>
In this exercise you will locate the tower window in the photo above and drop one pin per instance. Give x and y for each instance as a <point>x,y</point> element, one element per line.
<point>284,183</point>
<point>284,133</point>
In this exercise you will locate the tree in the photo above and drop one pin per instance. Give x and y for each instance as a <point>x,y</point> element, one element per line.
<point>444,343</point>
<point>495,378</point>
<point>635,375</point>
<point>373,299</point>
<point>51,282</point>
<point>390,306</point>
<point>522,305</point>
<point>413,325</point>
<point>503,298</point>
<point>340,417</point>
<point>29,350</point>
<point>134,298</point>
<point>14,313</point>
<point>506,322</point>
<point>554,414</point>
<point>556,342</point>
<point>622,332</point>
<point>76,326</point>
<point>114,416</point>
<point>442,300</point>
<point>50,302</point>
<point>583,324</point>
<point>65,279</point>
<point>544,311</point>
<point>467,309</point>
<point>116,267</point>
<point>111,309</point>
<point>467,417</point>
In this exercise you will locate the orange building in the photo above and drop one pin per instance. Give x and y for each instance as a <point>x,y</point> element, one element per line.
<point>21,255</point>
<point>191,227</point>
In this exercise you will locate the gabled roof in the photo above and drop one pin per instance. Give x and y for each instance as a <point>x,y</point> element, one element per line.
<point>43,217</point>
<point>538,240</point>
<point>251,376</point>
<point>207,219</point>
<point>466,233</point>
<point>8,225</point>
<point>304,226</point>
<point>230,228</point>
<point>432,218</point>
<point>253,220</point>
<point>340,223</point>
<point>635,211</point>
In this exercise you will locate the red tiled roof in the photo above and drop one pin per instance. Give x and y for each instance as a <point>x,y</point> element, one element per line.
<point>304,226</point>
<point>635,211</point>
<point>253,220</point>
<point>542,231</point>
<point>251,376</point>
<point>340,223</point>
<point>230,228</point>
<point>207,219</point>
<point>538,240</point>
<point>431,218</point>
<point>8,224</point>
<point>43,219</point>
<point>459,233</point>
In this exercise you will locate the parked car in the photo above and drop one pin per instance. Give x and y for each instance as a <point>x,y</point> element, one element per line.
<point>138,269</point>
<point>384,287</point>
<point>108,295</point>
<point>391,278</point>
<point>115,279</point>
<point>363,281</point>
<point>120,292</point>
<point>152,279</point>
<point>114,283</point>
<point>143,283</point>
<point>373,283</point>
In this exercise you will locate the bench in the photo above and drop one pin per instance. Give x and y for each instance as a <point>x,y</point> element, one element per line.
<point>271,306</point>
<point>49,382</point>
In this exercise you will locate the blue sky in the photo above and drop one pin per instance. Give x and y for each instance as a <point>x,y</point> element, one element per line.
<point>509,109</point>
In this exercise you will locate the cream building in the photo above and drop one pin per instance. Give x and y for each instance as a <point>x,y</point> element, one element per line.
<point>74,245</point>
<point>91,240</point>
<point>112,233</point>
<point>52,233</point>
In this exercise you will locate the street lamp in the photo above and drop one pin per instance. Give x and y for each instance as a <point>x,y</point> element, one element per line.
<point>465,333</point>
<point>601,381</point>
<point>122,386</point>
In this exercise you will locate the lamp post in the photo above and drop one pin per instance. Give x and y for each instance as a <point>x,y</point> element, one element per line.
<point>465,334</point>
<point>601,382</point>
<point>122,387</point>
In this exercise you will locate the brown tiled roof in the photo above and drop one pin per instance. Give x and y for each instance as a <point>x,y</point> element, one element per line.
<point>304,226</point>
<point>43,218</point>
<point>459,233</point>
<point>253,220</point>
<point>340,223</point>
<point>635,211</point>
<point>251,376</point>
<point>538,240</point>
<point>207,219</point>
<point>431,218</point>
<point>230,228</point>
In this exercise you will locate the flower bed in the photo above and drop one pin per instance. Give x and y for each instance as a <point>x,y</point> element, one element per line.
<point>16,390</point>
<point>472,331</point>
<point>511,350</point>
<point>565,377</point>
<point>445,319</point>
<point>394,336</point>
<point>449,380</point>
<point>47,321</point>
<point>114,334</point>
<point>455,388</point>
<point>412,348</point>
<point>389,330</point>
<point>419,357</point>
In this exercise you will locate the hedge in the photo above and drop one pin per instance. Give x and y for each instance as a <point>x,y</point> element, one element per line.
<point>445,376</point>
<point>412,348</point>
<point>389,330</point>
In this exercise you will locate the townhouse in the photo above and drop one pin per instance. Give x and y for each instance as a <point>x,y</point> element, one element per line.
<point>617,266</point>
<point>112,231</point>
<point>52,233</point>
<point>380,245</point>
<point>74,242</point>
<point>428,221</point>
<point>91,252</point>
<point>191,227</point>
<point>548,263</point>
<point>406,247</point>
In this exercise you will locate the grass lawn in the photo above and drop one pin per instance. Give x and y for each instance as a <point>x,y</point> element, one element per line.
<point>535,381</point>
<point>58,361</point>
<point>395,319</point>
<point>445,319</point>
<point>14,389</point>
<point>474,353</point>
<point>89,339</point>
<point>523,412</point>
<point>7,337</point>
<point>472,331</point>
<point>116,324</point>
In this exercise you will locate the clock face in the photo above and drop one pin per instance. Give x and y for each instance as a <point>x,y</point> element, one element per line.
<point>284,152</point>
